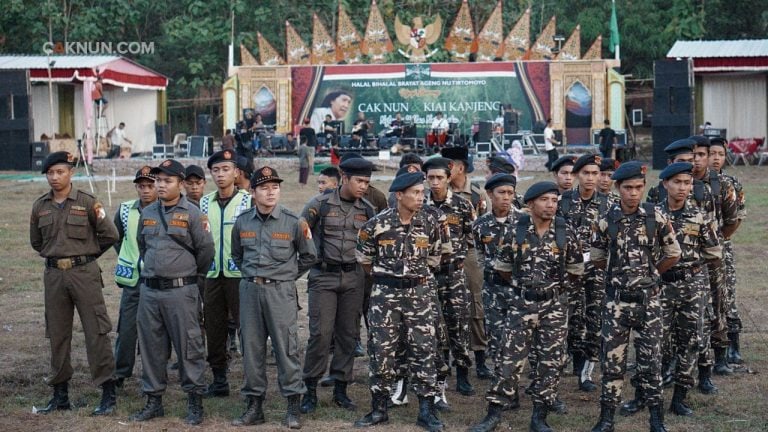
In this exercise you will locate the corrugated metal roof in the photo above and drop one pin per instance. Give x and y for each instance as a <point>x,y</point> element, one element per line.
<point>722,48</point>
<point>61,62</point>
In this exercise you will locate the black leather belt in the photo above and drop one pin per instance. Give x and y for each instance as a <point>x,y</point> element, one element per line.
<point>336,268</point>
<point>535,296</point>
<point>451,267</point>
<point>69,262</point>
<point>625,296</point>
<point>166,284</point>
<point>680,274</point>
<point>396,282</point>
<point>263,281</point>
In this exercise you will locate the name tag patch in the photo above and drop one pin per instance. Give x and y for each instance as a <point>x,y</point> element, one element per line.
<point>247,234</point>
<point>179,223</point>
<point>150,222</point>
<point>453,219</point>
<point>281,236</point>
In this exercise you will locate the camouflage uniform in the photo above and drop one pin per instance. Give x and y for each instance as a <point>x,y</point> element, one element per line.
<point>733,320</point>
<point>684,289</point>
<point>585,298</point>
<point>451,285</point>
<point>530,312</point>
<point>402,258</point>
<point>631,303</point>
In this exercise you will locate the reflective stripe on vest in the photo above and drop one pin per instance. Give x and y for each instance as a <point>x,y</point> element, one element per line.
<point>127,269</point>
<point>221,230</point>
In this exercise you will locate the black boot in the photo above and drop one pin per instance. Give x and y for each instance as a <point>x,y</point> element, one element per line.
<point>706,386</point>
<point>734,356</point>
<point>635,405</point>
<point>656,419</point>
<point>359,350</point>
<point>539,418</point>
<point>462,381</point>
<point>153,408</point>
<point>678,405</point>
<point>482,370</point>
<point>427,418</point>
<point>721,364</point>
<point>578,363</point>
<point>513,404</point>
<point>400,396</point>
<point>605,423</point>
<point>60,400</point>
<point>559,406</point>
<point>585,377</point>
<point>378,412</point>
<point>491,420</point>
<point>292,413</point>
<point>254,412</point>
<point>194,409</point>
<point>309,401</point>
<point>108,399</point>
<point>219,387</point>
<point>340,397</point>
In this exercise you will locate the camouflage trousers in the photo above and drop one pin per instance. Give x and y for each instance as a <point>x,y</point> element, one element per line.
<point>714,317</point>
<point>391,310</point>
<point>519,327</point>
<point>585,305</point>
<point>732,318</point>
<point>647,341</point>
<point>454,304</point>
<point>683,304</point>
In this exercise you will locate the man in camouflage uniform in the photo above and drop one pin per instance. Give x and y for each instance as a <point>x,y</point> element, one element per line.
<point>581,207</point>
<point>562,170</point>
<point>604,183</point>
<point>634,243</point>
<point>451,285</point>
<point>684,287</point>
<point>499,165</point>
<point>717,153</point>
<point>531,312</point>
<point>472,192</point>
<point>491,231</point>
<point>400,247</point>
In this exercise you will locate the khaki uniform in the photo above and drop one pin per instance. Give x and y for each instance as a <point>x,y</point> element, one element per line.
<point>70,236</point>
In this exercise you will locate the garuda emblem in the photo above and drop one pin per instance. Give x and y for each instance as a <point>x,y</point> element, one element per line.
<point>417,38</point>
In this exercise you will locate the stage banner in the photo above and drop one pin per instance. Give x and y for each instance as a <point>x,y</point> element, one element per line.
<point>466,93</point>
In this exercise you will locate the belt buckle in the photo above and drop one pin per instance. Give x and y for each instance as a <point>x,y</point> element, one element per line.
<point>64,263</point>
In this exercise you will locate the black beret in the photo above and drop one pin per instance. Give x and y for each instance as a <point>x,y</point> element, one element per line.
<point>171,167</point>
<point>437,163</point>
<point>195,171</point>
<point>350,155</point>
<point>459,154</point>
<point>538,189</point>
<point>498,164</point>
<point>407,169</point>
<point>679,147</point>
<point>404,181</point>
<point>265,175</point>
<point>60,157</point>
<point>561,162</point>
<point>226,155</point>
<point>717,141</point>
<point>676,168</point>
<point>500,179</point>
<point>410,158</point>
<point>701,141</point>
<point>630,170</point>
<point>245,165</point>
<point>608,164</point>
<point>144,173</point>
<point>357,167</point>
<point>587,159</point>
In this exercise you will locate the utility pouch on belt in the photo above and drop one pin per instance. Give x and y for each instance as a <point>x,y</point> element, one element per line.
<point>633,302</point>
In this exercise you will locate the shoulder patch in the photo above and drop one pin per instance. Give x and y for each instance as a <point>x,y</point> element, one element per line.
<point>305,231</point>
<point>98,209</point>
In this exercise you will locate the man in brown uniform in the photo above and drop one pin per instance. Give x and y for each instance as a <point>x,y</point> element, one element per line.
<point>70,229</point>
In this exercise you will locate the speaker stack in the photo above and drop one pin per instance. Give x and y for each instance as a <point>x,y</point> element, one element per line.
<point>673,105</point>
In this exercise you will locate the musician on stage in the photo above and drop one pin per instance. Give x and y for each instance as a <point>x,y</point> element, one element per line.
<point>330,131</point>
<point>437,135</point>
<point>393,133</point>
<point>360,131</point>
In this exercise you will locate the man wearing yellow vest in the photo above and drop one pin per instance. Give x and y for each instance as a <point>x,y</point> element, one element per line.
<point>127,272</point>
<point>222,282</point>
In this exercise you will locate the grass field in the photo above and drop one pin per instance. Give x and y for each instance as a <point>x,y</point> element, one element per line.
<point>741,405</point>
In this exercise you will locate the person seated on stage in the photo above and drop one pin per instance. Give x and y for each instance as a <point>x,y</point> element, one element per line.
<point>439,124</point>
<point>290,142</point>
<point>308,135</point>
<point>330,131</point>
<point>391,135</point>
<point>360,131</point>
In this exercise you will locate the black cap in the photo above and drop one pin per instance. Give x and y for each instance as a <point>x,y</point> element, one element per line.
<point>561,162</point>
<point>701,141</point>
<point>225,155</point>
<point>681,146</point>
<point>500,179</point>
<point>406,170</point>
<point>437,163</point>
<point>357,167</point>
<point>195,171</point>
<point>498,164</point>
<point>608,164</point>
<point>245,165</point>
<point>171,167</point>
<point>459,154</point>
<point>676,168</point>
<point>717,141</point>
<point>410,158</point>
<point>350,155</point>
<point>265,175</point>
<point>404,181</point>
<point>60,157</point>
<point>587,159</point>
<point>538,189</point>
<point>144,173</point>
<point>629,171</point>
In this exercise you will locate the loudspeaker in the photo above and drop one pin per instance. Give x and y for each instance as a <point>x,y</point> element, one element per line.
<point>673,73</point>
<point>200,146</point>
<point>484,134</point>
<point>662,137</point>
<point>40,148</point>
<point>15,151</point>
<point>510,123</point>
<point>204,124</point>
<point>162,134</point>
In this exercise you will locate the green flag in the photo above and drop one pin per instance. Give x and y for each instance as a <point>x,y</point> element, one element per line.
<point>614,29</point>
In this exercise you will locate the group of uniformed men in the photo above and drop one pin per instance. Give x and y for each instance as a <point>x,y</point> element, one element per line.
<point>560,273</point>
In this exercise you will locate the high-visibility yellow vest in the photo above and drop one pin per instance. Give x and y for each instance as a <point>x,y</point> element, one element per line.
<point>127,269</point>
<point>221,230</point>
